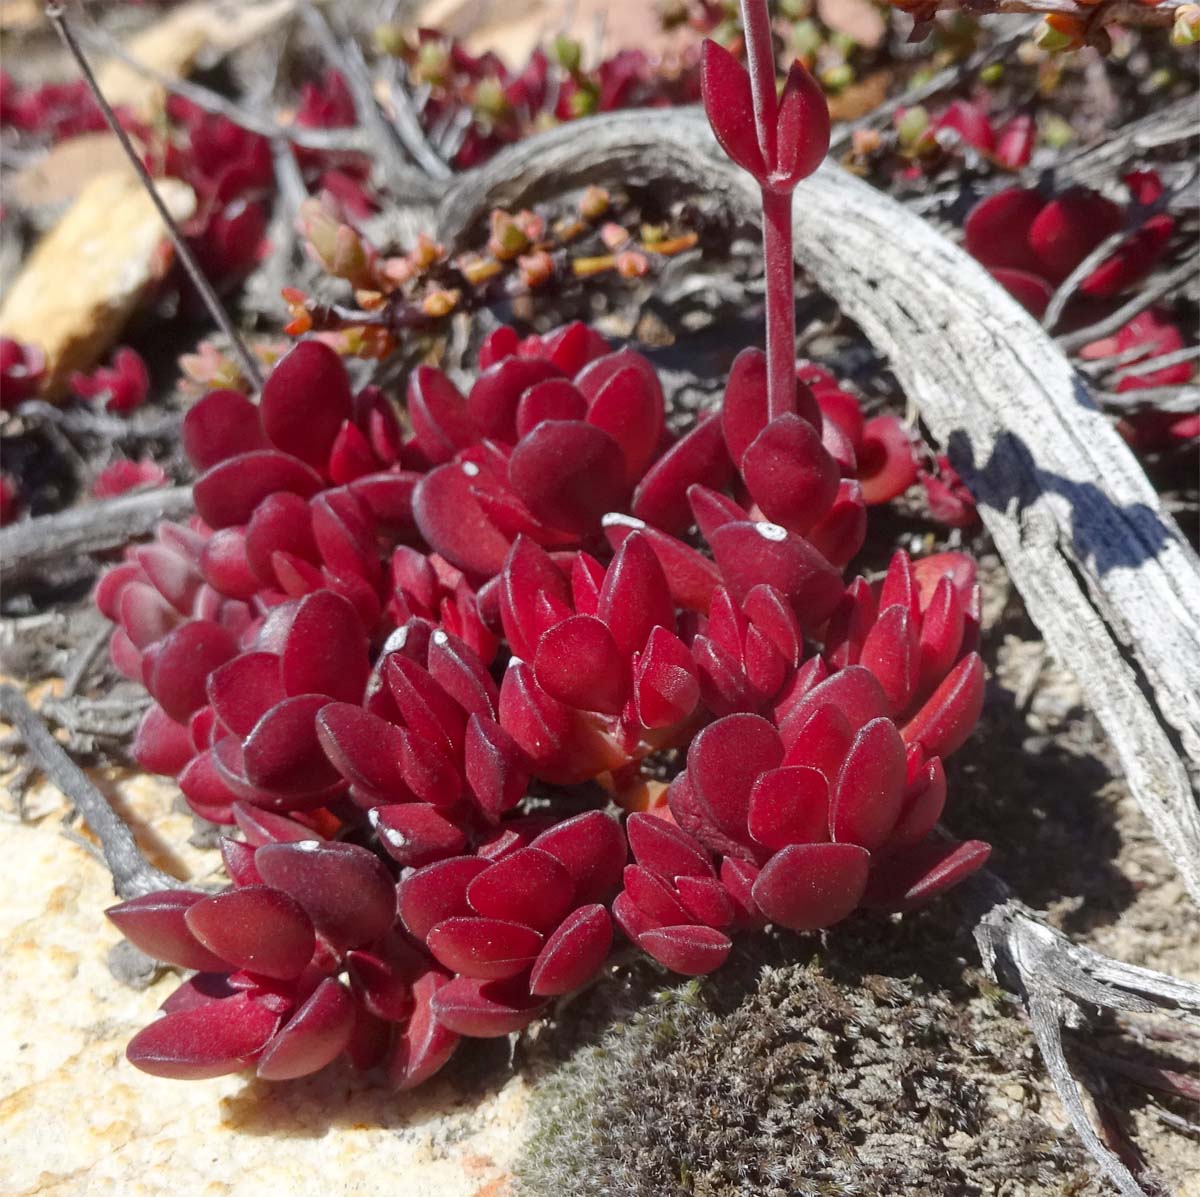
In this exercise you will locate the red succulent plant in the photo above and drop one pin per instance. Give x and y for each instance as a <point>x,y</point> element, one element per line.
<point>1030,244</point>
<point>1150,335</point>
<point>124,475</point>
<point>394,661</point>
<point>122,387</point>
<point>10,500</point>
<point>22,369</point>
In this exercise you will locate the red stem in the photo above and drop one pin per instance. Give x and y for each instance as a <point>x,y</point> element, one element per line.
<point>760,60</point>
<point>777,215</point>
<point>781,303</point>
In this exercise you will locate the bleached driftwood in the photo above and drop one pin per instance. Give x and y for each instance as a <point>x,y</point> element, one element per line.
<point>1104,571</point>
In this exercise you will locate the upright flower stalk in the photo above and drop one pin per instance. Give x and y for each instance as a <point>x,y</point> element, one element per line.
<point>779,140</point>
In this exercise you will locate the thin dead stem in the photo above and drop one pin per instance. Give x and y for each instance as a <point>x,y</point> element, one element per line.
<point>56,14</point>
<point>132,873</point>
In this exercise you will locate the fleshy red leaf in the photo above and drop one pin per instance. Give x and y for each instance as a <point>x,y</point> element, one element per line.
<point>181,664</point>
<point>629,407</point>
<point>227,493</point>
<point>655,897</point>
<point>528,886</point>
<point>266,827</point>
<point>283,755</point>
<point>854,691</point>
<point>205,1041</point>
<point>485,1009</point>
<point>948,716</point>
<point>415,834</point>
<point>437,892</point>
<point>574,954</point>
<point>345,889</point>
<point>913,877</point>
<point>922,805</point>
<point>440,420</point>
<point>788,472</point>
<point>427,710</point>
<point>665,686</point>
<point>789,806</point>
<point>744,410</point>
<point>282,523</point>
<point>157,924</point>
<point>494,767</point>
<point>381,981</point>
<point>496,395</point>
<point>690,950</point>
<point>865,799</point>
<point>700,457</point>
<point>801,128</point>
<point>1069,227</point>
<point>305,399</point>
<point>942,627</point>
<point>724,762</point>
<point>325,651</point>
<point>748,554</point>
<point>665,848</point>
<point>219,426</point>
<point>578,663</point>
<point>569,473</point>
<point>529,573</point>
<point>313,1037</point>
<point>365,749</point>
<point>424,1045</point>
<point>886,465</point>
<point>636,596</point>
<point>706,900</point>
<point>890,653</point>
<point>691,576</point>
<point>725,89</point>
<point>807,886</point>
<point>485,948</point>
<point>256,928</point>
<point>591,847</point>
<point>821,742</point>
<point>996,230</point>
<point>160,745</point>
<point>551,399</point>
<point>453,523</point>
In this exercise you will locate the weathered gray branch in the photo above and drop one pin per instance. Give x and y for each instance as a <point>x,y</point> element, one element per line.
<point>1104,570</point>
<point>31,545</point>
<point>132,873</point>
<point>1055,979</point>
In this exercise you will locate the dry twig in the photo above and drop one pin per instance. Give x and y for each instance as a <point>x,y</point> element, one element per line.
<point>132,873</point>
<point>30,545</point>
<point>56,14</point>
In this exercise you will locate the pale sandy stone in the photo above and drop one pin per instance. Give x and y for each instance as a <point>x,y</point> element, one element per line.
<point>65,169</point>
<point>77,1121</point>
<point>87,274</point>
<point>173,44</point>
<point>513,29</point>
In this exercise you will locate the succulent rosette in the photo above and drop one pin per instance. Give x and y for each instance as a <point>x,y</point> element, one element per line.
<point>364,677</point>
<point>405,653</point>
